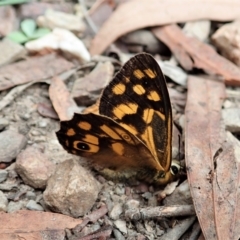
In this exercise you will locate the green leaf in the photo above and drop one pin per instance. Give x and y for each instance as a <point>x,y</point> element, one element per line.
<point>28,26</point>
<point>18,37</point>
<point>12,2</point>
<point>40,32</point>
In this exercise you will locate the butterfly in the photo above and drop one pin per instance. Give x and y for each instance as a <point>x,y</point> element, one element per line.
<point>131,137</point>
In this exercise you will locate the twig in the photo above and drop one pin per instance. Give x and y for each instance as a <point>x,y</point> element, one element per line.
<point>156,212</point>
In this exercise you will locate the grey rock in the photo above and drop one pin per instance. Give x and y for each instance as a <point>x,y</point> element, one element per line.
<point>30,195</point>
<point>34,167</point>
<point>3,123</point>
<point>121,225</point>
<point>42,124</point>
<point>3,202</point>
<point>118,235</point>
<point>231,118</point>
<point>32,205</point>
<point>116,211</point>
<point>3,175</point>
<point>120,190</point>
<point>7,186</point>
<point>11,143</point>
<point>14,206</point>
<point>147,195</point>
<point>132,204</point>
<point>71,190</point>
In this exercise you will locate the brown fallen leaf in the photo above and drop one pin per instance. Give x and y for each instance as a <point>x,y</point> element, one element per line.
<point>47,111</point>
<point>136,14</point>
<point>191,52</point>
<point>213,173</point>
<point>35,225</point>
<point>32,70</point>
<point>86,90</point>
<point>63,104</point>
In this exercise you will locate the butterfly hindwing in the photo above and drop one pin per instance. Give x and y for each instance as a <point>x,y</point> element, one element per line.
<point>137,98</point>
<point>104,142</point>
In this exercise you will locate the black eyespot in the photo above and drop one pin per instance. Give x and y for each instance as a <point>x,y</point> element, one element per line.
<point>175,169</point>
<point>83,146</point>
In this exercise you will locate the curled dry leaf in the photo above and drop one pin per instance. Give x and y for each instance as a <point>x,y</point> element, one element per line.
<point>56,19</point>
<point>211,165</point>
<point>191,52</point>
<point>136,14</point>
<point>61,39</point>
<point>63,104</point>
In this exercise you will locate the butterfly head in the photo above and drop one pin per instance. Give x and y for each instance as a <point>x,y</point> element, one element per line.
<point>162,178</point>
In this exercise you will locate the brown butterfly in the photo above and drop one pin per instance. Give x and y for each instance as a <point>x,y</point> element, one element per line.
<point>132,135</point>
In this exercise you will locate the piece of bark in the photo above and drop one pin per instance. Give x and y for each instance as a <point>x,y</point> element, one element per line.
<point>136,14</point>
<point>212,170</point>
<point>191,52</point>
<point>35,225</point>
<point>33,69</point>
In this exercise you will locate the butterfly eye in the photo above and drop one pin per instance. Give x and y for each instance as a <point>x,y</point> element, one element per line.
<point>175,167</point>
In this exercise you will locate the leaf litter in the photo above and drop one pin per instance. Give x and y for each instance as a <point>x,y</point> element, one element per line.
<point>32,86</point>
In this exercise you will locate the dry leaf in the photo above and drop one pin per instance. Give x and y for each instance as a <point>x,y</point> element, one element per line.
<point>191,52</point>
<point>61,100</point>
<point>137,14</point>
<point>35,225</point>
<point>34,69</point>
<point>210,161</point>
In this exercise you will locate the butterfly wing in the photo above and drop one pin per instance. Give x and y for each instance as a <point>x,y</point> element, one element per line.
<point>137,98</point>
<point>104,142</point>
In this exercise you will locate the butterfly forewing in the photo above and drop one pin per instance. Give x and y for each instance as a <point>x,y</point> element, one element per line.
<point>137,98</point>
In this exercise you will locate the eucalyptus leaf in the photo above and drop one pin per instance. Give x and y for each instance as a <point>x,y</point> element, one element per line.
<point>28,26</point>
<point>18,37</point>
<point>12,2</point>
<point>40,32</point>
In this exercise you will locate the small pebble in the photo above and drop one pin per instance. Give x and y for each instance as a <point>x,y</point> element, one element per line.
<point>3,202</point>
<point>120,190</point>
<point>32,205</point>
<point>14,206</point>
<point>3,175</point>
<point>116,211</point>
<point>30,195</point>
<point>121,225</point>
<point>3,123</point>
<point>25,116</point>
<point>35,133</point>
<point>132,204</point>
<point>147,195</point>
<point>118,235</point>
<point>8,186</point>
<point>42,124</point>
